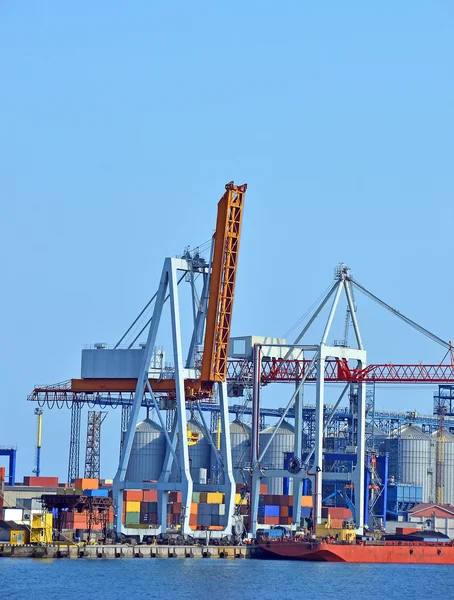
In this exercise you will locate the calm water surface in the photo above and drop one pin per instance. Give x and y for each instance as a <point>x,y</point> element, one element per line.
<point>127,579</point>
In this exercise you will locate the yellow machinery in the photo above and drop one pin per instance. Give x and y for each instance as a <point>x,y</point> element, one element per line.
<point>193,437</point>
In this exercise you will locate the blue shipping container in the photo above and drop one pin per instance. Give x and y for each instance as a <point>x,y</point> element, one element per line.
<point>268,511</point>
<point>97,493</point>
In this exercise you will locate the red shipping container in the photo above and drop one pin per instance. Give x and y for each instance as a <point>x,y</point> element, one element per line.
<point>263,488</point>
<point>283,511</point>
<point>41,481</point>
<point>271,520</point>
<point>173,497</point>
<point>405,530</point>
<point>150,495</point>
<point>133,495</point>
<point>176,508</point>
<point>339,512</point>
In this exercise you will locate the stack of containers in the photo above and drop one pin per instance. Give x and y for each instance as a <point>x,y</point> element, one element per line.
<point>335,515</point>
<point>174,509</point>
<point>208,510</point>
<point>278,509</point>
<point>132,500</point>
<point>86,487</point>
<point>149,508</point>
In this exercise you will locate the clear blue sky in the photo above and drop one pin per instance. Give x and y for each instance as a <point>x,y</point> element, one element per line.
<point>120,124</point>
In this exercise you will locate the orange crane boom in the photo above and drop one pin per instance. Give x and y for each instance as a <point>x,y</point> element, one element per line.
<point>222,284</point>
<point>219,313</point>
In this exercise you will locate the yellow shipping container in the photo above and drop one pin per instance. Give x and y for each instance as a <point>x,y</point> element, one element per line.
<point>237,498</point>
<point>215,498</point>
<point>40,521</point>
<point>41,536</point>
<point>18,537</point>
<point>133,506</point>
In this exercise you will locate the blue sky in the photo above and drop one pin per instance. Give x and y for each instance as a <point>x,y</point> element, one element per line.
<point>120,125</point>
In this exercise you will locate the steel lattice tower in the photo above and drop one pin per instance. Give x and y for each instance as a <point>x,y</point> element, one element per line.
<point>93,447</point>
<point>74,442</point>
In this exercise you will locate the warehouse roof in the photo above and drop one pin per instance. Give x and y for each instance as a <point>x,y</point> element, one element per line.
<point>428,509</point>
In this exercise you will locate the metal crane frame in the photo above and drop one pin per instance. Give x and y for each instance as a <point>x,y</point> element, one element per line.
<point>316,369</point>
<point>176,440</point>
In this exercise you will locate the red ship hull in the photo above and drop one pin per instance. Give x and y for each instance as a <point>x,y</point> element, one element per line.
<point>406,552</point>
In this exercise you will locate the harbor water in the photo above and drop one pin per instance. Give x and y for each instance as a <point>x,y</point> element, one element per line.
<point>23,579</point>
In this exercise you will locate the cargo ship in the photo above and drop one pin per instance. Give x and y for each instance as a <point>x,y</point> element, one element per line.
<point>430,548</point>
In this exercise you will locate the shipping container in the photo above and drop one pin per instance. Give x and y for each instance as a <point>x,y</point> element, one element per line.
<point>215,498</point>
<point>133,495</point>
<point>41,481</point>
<point>96,493</point>
<point>150,495</point>
<point>86,483</point>
<point>132,518</point>
<point>132,507</point>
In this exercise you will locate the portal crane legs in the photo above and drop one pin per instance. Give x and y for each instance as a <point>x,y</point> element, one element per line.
<point>176,474</point>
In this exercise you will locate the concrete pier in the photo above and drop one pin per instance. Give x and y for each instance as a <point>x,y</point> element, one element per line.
<point>116,551</point>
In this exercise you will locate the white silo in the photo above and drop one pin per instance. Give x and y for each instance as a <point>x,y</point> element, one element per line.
<point>448,465</point>
<point>240,441</point>
<point>283,441</point>
<point>147,452</point>
<point>412,459</point>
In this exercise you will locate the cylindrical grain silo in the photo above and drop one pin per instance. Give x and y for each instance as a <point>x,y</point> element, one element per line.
<point>447,466</point>
<point>412,459</point>
<point>147,452</point>
<point>240,441</point>
<point>283,441</point>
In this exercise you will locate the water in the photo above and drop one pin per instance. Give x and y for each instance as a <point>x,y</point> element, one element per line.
<point>127,579</point>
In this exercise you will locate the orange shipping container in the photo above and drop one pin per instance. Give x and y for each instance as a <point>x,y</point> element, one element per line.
<point>133,495</point>
<point>306,501</point>
<point>194,508</point>
<point>263,488</point>
<point>86,483</point>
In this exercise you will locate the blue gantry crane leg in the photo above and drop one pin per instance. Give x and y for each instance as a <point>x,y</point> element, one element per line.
<point>11,453</point>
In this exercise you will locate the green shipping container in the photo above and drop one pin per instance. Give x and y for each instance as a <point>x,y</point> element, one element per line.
<point>132,518</point>
<point>196,497</point>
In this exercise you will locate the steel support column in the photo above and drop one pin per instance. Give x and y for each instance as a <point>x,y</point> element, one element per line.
<point>318,452</point>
